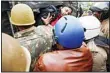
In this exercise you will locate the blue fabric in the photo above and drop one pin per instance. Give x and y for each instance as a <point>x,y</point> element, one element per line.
<point>69,32</point>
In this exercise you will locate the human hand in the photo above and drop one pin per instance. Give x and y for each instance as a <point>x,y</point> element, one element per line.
<point>47,20</point>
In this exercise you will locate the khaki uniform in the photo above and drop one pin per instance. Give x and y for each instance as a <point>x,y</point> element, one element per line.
<point>99,57</point>
<point>37,40</point>
<point>15,58</point>
<point>100,48</point>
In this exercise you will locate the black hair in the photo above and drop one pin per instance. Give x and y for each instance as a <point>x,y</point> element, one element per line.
<point>104,15</point>
<point>44,13</point>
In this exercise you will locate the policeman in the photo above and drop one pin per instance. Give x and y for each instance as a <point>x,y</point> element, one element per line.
<point>101,11</point>
<point>71,54</point>
<point>95,42</point>
<point>36,40</point>
<point>14,57</point>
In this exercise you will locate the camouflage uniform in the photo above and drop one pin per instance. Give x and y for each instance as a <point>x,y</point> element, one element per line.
<point>37,40</point>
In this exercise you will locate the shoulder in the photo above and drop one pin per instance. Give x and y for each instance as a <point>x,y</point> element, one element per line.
<point>44,30</point>
<point>106,21</point>
<point>49,57</point>
<point>44,27</point>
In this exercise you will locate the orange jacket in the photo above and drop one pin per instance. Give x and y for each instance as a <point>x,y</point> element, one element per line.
<point>76,60</point>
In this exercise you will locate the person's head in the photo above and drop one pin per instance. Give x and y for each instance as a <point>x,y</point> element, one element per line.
<point>47,12</point>
<point>66,10</point>
<point>91,26</point>
<point>14,57</point>
<point>68,33</point>
<point>100,10</point>
<point>49,9</point>
<point>22,15</point>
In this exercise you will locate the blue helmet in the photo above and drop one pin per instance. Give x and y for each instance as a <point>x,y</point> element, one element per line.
<point>69,32</point>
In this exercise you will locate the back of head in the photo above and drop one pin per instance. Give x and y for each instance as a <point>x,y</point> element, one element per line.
<point>14,57</point>
<point>22,15</point>
<point>69,32</point>
<point>91,25</point>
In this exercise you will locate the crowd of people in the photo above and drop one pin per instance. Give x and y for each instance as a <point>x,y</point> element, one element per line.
<point>57,41</point>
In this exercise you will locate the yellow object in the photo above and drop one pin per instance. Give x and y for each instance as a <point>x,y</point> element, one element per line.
<point>14,57</point>
<point>22,15</point>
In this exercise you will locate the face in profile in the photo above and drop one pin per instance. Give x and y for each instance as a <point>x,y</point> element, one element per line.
<point>96,14</point>
<point>66,11</point>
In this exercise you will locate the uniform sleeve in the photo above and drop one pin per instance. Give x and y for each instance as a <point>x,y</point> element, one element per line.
<point>39,65</point>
